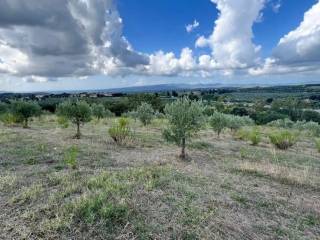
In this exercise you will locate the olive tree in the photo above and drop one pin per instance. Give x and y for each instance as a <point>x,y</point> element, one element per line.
<point>218,121</point>
<point>78,112</point>
<point>145,113</point>
<point>185,118</point>
<point>23,111</point>
<point>98,111</point>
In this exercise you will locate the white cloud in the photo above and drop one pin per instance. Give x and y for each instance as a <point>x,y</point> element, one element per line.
<point>276,6</point>
<point>303,43</point>
<point>297,51</point>
<point>231,40</point>
<point>63,38</point>
<point>192,26</point>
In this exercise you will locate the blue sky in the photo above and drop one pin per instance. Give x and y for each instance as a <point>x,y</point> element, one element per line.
<point>114,43</point>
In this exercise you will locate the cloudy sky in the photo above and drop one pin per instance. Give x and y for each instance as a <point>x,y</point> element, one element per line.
<point>94,44</point>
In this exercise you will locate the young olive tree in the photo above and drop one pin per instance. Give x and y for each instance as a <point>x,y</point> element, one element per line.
<point>218,121</point>
<point>145,113</point>
<point>185,119</point>
<point>78,112</point>
<point>23,111</point>
<point>98,111</point>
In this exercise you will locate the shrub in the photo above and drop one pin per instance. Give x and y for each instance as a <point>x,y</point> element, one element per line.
<point>218,122</point>
<point>70,157</point>
<point>24,111</point>
<point>252,135</point>
<point>185,119</point>
<point>312,127</point>
<point>131,114</point>
<point>63,122</point>
<point>145,113</point>
<point>120,132</point>
<point>79,112</point>
<point>282,123</point>
<point>3,108</point>
<point>236,122</point>
<point>8,119</point>
<point>317,142</point>
<point>283,139</point>
<point>109,114</point>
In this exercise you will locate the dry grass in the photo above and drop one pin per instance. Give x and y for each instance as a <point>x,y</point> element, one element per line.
<point>228,189</point>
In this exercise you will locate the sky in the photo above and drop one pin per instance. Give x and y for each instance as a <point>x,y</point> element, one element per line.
<point>97,44</point>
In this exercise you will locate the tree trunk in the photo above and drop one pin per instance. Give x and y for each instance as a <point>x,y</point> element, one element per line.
<point>183,149</point>
<point>25,123</point>
<point>78,135</point>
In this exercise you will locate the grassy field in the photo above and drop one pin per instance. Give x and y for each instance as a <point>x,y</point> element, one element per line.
<point>228,189</point>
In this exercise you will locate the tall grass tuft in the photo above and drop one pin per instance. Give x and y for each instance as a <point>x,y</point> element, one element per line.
<point>283,139</point>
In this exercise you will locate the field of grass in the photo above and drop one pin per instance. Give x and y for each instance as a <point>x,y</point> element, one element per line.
<point>55,187</point>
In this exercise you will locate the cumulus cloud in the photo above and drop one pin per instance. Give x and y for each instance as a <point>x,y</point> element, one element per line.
<point>297,51</point>
<point>192,26</point>
<point>231,40</point>
<point>302,44</point>
<point>63,38</point>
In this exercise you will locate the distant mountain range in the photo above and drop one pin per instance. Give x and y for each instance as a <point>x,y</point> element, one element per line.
<point>160,88</point>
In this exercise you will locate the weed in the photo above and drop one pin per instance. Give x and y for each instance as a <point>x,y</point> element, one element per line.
<point>283,139</point>
<point>70,157</point>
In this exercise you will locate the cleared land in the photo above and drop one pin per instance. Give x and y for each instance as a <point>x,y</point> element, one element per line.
<point>227,189</point>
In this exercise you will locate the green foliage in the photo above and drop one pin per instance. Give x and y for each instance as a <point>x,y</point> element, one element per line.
<point>283,139</point>
<point>282,123</point>
<point>63,122</point>
<point>185,119</point>
<point>265,117</point>
<point>317,142</point>
<point>25,110</point>
<point>236,122</point>
<point>70,157</point>
<point>145,113</point>
<point>218,122</point>
<point>312,127</point>
<point>9,119</point>
<point>109,114</point>
<point>78,112</point>
<point>310,115</point>
<point>3,108</point>
<point>252,135</point>
<point>121,131</point>
<point>98,111</point>
<point>131,114</point>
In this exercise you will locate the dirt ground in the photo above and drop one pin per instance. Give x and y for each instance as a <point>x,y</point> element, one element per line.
<point>226,189</point>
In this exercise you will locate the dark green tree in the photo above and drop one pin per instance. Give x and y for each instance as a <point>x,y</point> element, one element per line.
<point>78,112</point>
<point>23,111</point>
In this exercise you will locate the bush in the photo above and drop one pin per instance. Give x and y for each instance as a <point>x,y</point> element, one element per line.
<point>145,113</point>
<point>253,135</point>
<point>283,139</point>
<point>79,112</point>
<point>312,127</point>
<point>218,122</point>
<point>63,122</point>
<point>70,157</point>
<point>282,123</point>
<point>23,111</point>
<point>120,132</point>
<point>8,119</point>
<point>263,118</point>
<point>317,142</point>
<point>236,122</point>
<point>131,114</point>
<point>185,119</point>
